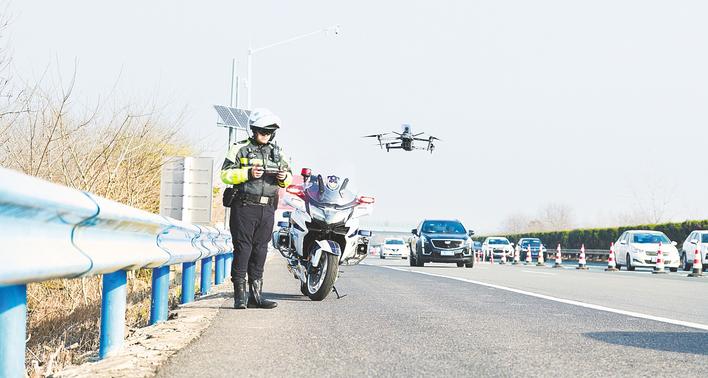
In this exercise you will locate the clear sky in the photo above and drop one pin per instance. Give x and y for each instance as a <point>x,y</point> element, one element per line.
<point>596,105</point>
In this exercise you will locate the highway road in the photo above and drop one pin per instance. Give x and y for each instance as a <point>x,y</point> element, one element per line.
<point>441,320</point>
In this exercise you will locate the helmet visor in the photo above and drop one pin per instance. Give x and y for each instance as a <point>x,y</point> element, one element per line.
<point>263,131</point>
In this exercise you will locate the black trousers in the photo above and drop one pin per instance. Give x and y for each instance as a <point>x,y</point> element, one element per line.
<point>251,231</point>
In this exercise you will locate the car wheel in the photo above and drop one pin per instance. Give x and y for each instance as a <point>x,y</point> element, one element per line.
<point>470,265</point>
<point>629,263</point>
<point>673,269</point>
<point>684,263</point>
<point>411,261</point>
<point>460,265</point>
<point>381,256</point>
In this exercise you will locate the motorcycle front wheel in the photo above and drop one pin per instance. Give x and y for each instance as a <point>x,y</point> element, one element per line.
<point>321,281</point>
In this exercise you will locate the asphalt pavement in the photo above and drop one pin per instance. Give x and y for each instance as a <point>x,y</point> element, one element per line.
<point>440,320</point>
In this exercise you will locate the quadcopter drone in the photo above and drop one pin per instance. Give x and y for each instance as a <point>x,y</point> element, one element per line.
<point>404,140</point>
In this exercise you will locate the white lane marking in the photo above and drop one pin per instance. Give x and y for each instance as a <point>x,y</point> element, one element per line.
<point>546,273</point>
<point>703,327</point>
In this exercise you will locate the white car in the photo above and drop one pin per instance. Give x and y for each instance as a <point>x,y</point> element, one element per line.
<point>638,249</point>
<point>394,247</point>
<point>696,240</point>
<point>498,245</point>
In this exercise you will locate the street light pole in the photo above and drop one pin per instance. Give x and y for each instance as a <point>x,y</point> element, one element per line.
<point>251,51</point>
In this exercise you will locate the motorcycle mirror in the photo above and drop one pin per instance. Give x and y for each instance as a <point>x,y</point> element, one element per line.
<point>287,214</point>
<point>283,224</point>
<point>414,232</point>
<point>470,232</point>
<point>366,233</point>
<point>306,172</point>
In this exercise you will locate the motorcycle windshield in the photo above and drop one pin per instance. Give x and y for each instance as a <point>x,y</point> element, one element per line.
<point>328,190</point>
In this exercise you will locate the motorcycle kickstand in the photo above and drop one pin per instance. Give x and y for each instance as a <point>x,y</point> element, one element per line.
<point>334,288</point>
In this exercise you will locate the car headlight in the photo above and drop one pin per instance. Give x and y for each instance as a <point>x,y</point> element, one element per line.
<point>423,239</point>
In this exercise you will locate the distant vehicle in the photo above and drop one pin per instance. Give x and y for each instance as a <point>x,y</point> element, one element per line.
<point>477,246</point>
<point>638,249</point>
<point>444,241</point>
<point>534,244</point>
<point>498,245</point>
<point>697,239</point>
<point>394,247</point>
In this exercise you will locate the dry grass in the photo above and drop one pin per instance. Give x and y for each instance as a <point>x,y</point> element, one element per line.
<point>64,319</point>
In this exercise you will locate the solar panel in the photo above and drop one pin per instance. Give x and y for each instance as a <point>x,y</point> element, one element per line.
<point>241,116</point>
<point>226,118</point>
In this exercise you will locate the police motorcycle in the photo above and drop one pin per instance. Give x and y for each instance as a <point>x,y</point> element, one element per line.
<point>322,232</point>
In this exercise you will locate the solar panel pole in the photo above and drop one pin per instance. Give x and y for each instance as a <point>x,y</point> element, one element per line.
<point>233,133</point>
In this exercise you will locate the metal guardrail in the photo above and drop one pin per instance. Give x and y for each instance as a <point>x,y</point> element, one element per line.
<point>49,231</point>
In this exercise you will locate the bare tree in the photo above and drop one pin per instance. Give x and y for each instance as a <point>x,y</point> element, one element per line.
<point>515,224</point>
<point>555,216</point>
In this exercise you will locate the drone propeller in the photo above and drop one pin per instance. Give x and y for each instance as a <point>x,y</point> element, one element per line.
<point>419,134</point>
<point>434,138</point>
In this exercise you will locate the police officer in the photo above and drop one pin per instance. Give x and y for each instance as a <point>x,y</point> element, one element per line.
<point>257,168</point>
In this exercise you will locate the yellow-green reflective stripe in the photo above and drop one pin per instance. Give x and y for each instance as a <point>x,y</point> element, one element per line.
<point>244,161</point>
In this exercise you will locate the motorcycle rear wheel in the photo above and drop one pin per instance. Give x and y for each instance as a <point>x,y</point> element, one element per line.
<point>320,285</point>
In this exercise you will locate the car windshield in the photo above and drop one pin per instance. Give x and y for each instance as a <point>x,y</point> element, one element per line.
<point>498,241</point>
<point>647,238</point>
<point>533,243</point>
<point>443,227</point>
<point>704,238</point>
<point>395,241</point>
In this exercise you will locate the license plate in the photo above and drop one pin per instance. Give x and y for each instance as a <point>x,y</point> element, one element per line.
<point>447,253</point>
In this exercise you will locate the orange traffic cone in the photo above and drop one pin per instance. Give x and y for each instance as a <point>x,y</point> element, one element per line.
<point>528,256</point>
<point>517,251</point>
<point>491,256</point>
<point>559,260</point>
<point>539,260</point>
<point>581,259</point>
<point>697,264</point>
<point>659,267</point>
<point>503,258</point>
<point>611,265</point>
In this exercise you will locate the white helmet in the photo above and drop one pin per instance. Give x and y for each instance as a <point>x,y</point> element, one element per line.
<point>263,118</point>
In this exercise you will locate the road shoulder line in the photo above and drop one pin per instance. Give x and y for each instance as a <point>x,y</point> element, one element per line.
<point>703,327</point>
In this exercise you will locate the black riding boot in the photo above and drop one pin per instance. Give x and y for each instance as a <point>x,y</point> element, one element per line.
<point>255,297</point>
<point>240,294</point>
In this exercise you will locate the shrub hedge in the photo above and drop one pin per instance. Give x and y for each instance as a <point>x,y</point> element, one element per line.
<point>600,238</point>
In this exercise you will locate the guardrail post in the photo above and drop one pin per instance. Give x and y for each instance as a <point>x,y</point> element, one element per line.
<point>219,270</point>
<point>113,303</point>
<point>160,294</point>
<point>206,275</point>
<point>188,282</point>
<point>13,320</point>
<point>227,264</point>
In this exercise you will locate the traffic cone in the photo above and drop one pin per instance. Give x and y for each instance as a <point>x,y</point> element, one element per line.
<point>503,258</point>
<point>539,260</point>
<point>611,265</point>
<point>697,264</point>
<point>517,258</point>
<point>581,259</point>
<point>528,256</point>
<point>559,260</point>
<point>491,256</point>
<point>659,267</point>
